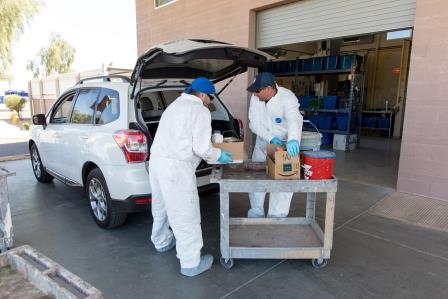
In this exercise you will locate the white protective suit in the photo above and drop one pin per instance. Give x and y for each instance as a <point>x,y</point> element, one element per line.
<point>279,117</point>
<point>182,139</point>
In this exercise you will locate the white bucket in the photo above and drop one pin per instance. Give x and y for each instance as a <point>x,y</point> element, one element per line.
<point>310,141</point>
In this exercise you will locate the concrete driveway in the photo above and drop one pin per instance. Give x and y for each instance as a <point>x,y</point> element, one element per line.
<point>372,257</point>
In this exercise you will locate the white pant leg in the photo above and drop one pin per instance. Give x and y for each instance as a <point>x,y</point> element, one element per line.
<point>161,234</point>
<point>257,198</point>
<point>279,204</point>
<point>178,185</point>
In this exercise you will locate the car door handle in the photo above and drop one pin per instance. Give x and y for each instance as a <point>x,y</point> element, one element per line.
<point>84,137</point>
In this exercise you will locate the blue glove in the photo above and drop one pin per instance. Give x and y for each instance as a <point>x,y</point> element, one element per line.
<point>226,157</point>
<point>276,141</point>
<point>293,147</point>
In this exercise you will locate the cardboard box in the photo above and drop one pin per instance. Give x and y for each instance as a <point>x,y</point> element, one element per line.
<point>236,148</point>
<point>281,166</point>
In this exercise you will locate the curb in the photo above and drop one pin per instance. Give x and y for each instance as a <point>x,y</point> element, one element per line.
<point>14,158</point>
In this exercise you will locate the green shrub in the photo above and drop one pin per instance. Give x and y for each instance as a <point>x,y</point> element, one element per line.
<point>15,103</point>
<point>26,126</point>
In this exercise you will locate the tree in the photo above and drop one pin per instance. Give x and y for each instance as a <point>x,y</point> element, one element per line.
<point>15,103</point>
<point>57,58</point>
<point>13,16</point>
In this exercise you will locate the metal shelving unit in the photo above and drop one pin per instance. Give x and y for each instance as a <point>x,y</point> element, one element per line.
<point>355,99</point>
<point>388,113</point>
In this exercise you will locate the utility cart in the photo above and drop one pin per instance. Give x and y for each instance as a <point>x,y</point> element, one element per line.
<point>273,238</point>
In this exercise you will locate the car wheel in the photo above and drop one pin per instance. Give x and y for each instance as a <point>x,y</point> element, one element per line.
<point>100,203</point>
<point>38,168</point>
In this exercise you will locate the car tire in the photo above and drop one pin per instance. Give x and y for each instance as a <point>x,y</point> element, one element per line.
<point>105,214</point>
<point>38,168</point>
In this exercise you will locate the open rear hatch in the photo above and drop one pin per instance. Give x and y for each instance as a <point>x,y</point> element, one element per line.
<point>176,64</point>
<point>189,59</point>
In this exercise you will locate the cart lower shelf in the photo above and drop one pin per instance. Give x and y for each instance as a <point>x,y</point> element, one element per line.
<point>275,238</point>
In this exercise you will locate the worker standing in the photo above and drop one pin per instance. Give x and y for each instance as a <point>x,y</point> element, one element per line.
<point>274,118</point>
<point>181,141</point>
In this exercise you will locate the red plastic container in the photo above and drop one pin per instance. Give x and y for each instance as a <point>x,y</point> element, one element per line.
<point>318,165</point>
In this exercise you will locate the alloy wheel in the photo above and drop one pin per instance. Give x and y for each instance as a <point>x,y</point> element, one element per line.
<point>97,199</point>
<point>37,165</point>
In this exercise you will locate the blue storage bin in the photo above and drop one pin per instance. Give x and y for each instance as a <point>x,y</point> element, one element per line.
<point>327,138</point>
<point>268,67</point>
<point>317,63</point>
<point>346,61</point>
<point>314,119</point>
<point>306,65</point>
<point>383,123</point>
<point>304,101</point>
<point>372,122</point>
<point>325,121</point>
<point>330,102</point>
<point>280,67</point>
<point>331,63</point>
<point>291,66</point>
<point>363,121</point>
<point>342,122</point>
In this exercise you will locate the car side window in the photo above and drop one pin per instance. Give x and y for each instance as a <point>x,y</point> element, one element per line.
<point>85,106</point>
<point>107,107</point>
<point>62,111</point>
<point>151,105</point>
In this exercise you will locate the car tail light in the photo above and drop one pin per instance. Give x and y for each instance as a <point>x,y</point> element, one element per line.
<point>142,200</point>
<point>133,144</point>
<point>241,127</point>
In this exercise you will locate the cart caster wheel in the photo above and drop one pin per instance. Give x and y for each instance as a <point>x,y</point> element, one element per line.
<point>317,265</point>
<point>226,264</point>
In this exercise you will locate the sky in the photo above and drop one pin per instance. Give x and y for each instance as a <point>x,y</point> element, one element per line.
<point>101,31</point>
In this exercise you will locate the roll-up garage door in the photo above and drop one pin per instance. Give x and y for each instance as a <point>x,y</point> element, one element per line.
<point>310,20</point>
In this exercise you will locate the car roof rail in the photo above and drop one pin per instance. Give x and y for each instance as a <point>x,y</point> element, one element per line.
<point>106,78</point>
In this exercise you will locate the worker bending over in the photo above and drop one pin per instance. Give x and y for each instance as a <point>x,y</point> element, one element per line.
<point>181,141</point>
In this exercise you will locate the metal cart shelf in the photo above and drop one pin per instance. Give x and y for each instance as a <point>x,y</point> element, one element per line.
<point>273,238</point>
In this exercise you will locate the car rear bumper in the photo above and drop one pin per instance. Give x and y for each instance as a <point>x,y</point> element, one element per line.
<point>133,204</point>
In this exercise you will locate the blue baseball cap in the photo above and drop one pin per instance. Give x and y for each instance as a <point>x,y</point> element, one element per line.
<point>262,80</point>
<point>201,84</point>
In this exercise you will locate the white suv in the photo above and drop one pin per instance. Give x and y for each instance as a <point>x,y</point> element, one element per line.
<point>98,134</point>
